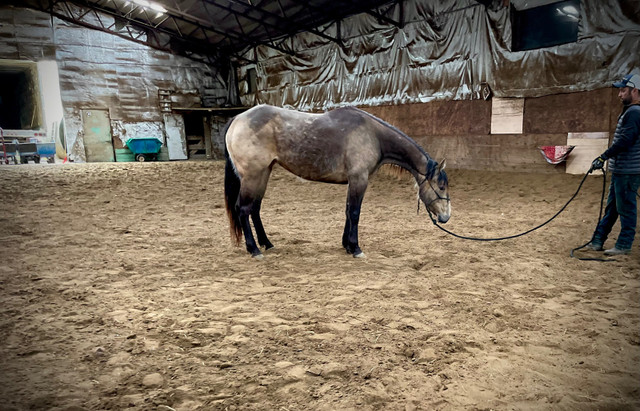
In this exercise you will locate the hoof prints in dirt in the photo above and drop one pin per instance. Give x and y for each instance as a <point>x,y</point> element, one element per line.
<point>120,291</point>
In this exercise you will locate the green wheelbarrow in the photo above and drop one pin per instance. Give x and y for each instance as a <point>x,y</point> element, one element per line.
<point>144,149</point>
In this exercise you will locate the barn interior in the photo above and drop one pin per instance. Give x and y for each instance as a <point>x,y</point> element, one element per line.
<point>120,287</point>
<point>479,82</point>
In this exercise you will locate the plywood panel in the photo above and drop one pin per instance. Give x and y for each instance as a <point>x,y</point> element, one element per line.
<point>507,115</point>
<point>588,146</point>
<point>97,135</point>
<point>176,139</point>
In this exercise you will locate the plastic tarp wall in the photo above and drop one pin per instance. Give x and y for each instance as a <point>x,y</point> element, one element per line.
<point>445,50</point>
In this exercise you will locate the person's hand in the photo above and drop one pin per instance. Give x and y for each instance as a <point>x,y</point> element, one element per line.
<point>598,163</point>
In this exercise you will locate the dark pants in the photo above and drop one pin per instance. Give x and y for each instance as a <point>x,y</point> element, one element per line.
<point>622,202</point>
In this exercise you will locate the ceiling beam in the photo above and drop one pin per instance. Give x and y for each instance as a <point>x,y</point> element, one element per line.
<point>384,18</point>
<point>281,25</point>
<point>87,12</point>
<point>185,28</point>
<point>135,31</point>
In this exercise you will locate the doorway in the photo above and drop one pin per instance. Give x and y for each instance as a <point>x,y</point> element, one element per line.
<point>98,146</point>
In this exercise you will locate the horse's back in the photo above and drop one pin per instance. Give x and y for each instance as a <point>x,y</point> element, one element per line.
<point>259,126</point>
<point>313,146</point>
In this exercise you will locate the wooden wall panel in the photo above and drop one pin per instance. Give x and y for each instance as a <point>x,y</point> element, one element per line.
<point>504,152</point>
<point>461,130</point>
<point>616,109</point>
<point>568,113</point>
<point>438,117</point>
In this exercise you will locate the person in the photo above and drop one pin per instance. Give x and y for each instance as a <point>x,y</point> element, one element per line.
<point>624,164</point>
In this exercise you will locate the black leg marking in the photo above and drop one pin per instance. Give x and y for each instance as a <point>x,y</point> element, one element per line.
<point>244,210</point>
<point>354,204</point>
<point>257,224</point>
<point>347,228</point>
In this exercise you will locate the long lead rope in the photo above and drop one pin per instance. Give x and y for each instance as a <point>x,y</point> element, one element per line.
<point>604,180</point>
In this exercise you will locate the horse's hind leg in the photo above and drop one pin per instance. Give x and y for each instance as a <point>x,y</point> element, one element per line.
<point>252,188</point>
<point>347,228</point>
<point>245,205</point>
<point>257,224</point>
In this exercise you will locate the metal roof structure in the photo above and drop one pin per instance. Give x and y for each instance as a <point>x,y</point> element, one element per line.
<point>212,30</point>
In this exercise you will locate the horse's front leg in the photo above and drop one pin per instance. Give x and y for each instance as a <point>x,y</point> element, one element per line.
<point>257,224</point>
<point>354,203</point>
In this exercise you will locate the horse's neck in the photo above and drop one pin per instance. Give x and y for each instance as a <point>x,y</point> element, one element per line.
<point>400,150</point>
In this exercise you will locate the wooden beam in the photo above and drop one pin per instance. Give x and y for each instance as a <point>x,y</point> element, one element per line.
<point>206,124</point>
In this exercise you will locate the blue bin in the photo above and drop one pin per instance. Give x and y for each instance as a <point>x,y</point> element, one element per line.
<point>46,150</point>
<point>144,149</point>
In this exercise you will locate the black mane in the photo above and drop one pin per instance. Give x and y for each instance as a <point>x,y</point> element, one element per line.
<point>384,123</point>
<point>432,165</point>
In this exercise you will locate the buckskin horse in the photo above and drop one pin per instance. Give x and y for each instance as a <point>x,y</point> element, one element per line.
<point>343,146</point>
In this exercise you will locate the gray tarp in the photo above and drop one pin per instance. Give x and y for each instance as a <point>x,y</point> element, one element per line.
<point>445,50</point>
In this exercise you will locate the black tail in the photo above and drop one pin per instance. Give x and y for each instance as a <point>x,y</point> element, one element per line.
<point>231,192</point>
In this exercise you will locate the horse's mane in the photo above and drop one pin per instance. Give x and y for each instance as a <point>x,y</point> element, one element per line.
<point>398,171</point>
<point>395,129</point>
<point>394,170</point>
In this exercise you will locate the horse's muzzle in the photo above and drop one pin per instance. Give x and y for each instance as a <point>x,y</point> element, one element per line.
<point>443,218</point>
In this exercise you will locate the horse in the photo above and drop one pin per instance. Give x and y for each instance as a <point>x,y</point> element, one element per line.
<point>342,146</point>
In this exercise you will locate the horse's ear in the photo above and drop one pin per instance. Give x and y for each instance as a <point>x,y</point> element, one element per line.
<point>442,165</point>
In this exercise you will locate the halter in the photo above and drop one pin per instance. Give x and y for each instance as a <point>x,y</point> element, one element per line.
<point>447,198</point>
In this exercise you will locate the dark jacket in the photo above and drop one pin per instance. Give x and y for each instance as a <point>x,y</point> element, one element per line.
<point>624,153</point>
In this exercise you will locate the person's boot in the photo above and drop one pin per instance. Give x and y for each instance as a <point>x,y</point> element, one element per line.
<point>594,246</point>
<point>617,251</point>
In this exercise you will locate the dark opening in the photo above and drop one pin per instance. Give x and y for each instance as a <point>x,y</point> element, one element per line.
<point>545,26</point>
<point>194,131</point>
<point>18,107</point>
<point>252,80</point>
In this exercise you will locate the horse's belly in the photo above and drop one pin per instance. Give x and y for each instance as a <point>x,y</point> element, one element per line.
<point>317,170</point>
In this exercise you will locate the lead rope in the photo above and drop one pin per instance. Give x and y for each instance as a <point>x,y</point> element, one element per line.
<point>604,180</point>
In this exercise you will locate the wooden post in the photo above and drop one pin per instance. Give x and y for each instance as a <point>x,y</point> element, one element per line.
<point>206,125</point>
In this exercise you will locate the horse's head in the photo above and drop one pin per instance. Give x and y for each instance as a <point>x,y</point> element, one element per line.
<point>434,191</point>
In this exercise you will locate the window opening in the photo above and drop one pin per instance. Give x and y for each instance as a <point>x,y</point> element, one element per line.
<point>545,26</point>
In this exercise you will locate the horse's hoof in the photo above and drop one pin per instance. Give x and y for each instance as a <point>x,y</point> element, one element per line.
<point>359,255</point>
<point>258,256</point>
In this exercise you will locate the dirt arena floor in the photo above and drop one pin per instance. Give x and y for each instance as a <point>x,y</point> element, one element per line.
<point>120,289</point>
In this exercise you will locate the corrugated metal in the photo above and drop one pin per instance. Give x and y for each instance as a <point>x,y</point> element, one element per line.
<point>102,71</point>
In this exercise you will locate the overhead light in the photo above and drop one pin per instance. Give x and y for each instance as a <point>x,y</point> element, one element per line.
<point>149,5</point>
<point>570,10</point>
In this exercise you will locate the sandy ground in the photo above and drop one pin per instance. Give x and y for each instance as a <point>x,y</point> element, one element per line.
<point>120,289</point>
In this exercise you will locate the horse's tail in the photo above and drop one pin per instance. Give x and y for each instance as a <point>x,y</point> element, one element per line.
<point>231,193</point>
